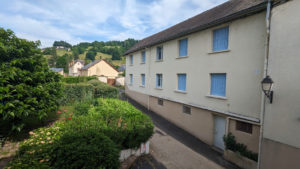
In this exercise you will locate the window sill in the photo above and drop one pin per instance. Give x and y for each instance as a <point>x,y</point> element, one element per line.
<point>182,57</point>
<point>159,60</point>
<point>157,88</point>
<point>142,86</point>
<point>221,51</point>
<point>180,91</point>
<point>142,63</point>
<point>217,97</point>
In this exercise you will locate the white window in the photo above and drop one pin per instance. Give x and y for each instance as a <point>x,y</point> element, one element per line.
<point>159,53</point>
<point>131,79</point>
<point>159,80</point>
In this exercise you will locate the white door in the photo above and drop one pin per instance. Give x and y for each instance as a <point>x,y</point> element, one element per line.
<point>220,125</point>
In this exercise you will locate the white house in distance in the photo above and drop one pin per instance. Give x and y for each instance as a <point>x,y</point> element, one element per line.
<point>75,66</point>
<point>58,70</point>
<point>204,75</point>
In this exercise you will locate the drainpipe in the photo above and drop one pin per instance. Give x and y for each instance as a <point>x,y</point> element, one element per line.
<point>266,63</point>
<point>149,79</point>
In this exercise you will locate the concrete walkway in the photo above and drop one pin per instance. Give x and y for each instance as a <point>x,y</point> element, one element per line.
<point>177,149</point>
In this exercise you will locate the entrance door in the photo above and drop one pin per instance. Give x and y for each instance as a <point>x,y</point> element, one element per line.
<point>220,125</point>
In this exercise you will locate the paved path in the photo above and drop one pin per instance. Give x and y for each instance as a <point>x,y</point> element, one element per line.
<point>177,149</point>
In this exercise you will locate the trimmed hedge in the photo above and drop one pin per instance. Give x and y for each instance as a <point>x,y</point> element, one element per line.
<point>77,92</point>
<point>78,79</point>
<point>231,144</point>
<point>104,90</point>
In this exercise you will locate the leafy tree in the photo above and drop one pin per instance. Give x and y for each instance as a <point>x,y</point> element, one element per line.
<point>63,62</point>
<point>27,87</point>
<point>47,51</point>
<point>62,43</point>
<point>91,54</point>
<point>53,58</point>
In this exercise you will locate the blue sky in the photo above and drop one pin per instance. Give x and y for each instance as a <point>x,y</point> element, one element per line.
<point>89,20</point>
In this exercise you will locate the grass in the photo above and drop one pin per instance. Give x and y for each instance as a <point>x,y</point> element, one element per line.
<point>61,52</point>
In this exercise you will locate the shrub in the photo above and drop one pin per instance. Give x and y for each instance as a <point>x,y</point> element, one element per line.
<point>89,149</point>
<point>76,92</point>
<point>27,86</point>
<point>231,144</point>
<point>104,90</point>
<point>78,79</point>
<point>82,108</point>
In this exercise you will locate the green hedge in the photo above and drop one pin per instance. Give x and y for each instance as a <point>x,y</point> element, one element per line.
<point>231,144</point>
<point>104,90</point>
<point>76,92</point>
<point>78,79</point>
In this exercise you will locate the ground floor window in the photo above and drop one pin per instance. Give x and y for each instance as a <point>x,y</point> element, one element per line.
<point>244,127</point>
<point>160,102</point>
<point>186,109</point>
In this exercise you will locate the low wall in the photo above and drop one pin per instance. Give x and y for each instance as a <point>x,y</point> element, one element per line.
<point>240,160</point>
<point>143,149</point>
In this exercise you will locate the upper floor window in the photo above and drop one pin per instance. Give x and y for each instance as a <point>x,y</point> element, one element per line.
<point>181,82</point>
<point>131,79</point>
<point>159,53</point>
<point>220,39</point>
<point>143,59</point>
<point>159,80</point>
<point>218,84</point>
<point>143,79</point>
<point>131,59</point>
<point>183,45</point>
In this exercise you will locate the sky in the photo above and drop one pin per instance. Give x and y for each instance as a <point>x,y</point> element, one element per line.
<point>77,21</point>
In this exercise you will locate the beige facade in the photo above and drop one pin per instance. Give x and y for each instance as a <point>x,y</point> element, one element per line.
<point>100,68</point>
<point>281,134</point>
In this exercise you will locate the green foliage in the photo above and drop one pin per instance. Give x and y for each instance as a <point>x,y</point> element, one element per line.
<point>82,108</point>
<point>88,149</point>
<point>91,54</point>
<point>104,90</point>
<point>27,86</point>
<point>231,144</point>
<point>63,62</point>
<point>53,59</point>
<point>78,79</point>
<point>76,92</point>
<point>62,43</point>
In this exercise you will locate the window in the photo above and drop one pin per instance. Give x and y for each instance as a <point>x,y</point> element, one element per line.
<point>181,82</point>
<point>159,53</point>
<point>218,85</point>
<point>186,109</point>
<point>143,57</point>
<point>131,59</point>
<point>131,79</point>
<point>183,45</point>
<point>160,102</point>
<point>220,39</point>
<point>244,127</point>
<point>143,79</point>
<point>158,80</point>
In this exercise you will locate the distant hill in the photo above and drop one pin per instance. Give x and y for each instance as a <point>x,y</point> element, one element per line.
<point>61,54</point>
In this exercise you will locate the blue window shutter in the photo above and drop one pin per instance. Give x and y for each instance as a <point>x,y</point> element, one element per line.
<point>157,81</point>
<point>218,85</point>
<point>131,59</point>
<point>183,45</point>
<point>182,82</point>
<point>220,39</point>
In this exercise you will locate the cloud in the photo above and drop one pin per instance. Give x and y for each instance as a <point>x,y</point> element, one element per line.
<point>88,20</point>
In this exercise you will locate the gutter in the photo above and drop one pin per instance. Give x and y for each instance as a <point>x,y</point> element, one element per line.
<point>247,12</point>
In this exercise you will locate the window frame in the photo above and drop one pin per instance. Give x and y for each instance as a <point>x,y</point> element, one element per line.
<point>213,39</point>
<point>130,79</point>
<point>244,127</point>
<point>160,101</point>
<point>211,87</point>
<point>131,59</point>
<point>185,108</point>
<point>179,74</point>
<point>179,45</point>
<point>143,57</point>
<point>159,76</point>
<point>157,53</point>
<point>143,79</point>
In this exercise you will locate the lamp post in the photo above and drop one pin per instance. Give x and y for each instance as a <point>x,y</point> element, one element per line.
<point>267,84</point>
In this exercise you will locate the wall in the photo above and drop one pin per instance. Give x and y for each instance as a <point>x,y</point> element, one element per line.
<point>102,69</point>
<point>73,70</point>
<point>282,117</point>
<point>251,140</point>
<point>243,64</point>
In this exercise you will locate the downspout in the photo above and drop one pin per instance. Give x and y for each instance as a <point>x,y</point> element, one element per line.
<point>149,79</point>
<point>265,73</point>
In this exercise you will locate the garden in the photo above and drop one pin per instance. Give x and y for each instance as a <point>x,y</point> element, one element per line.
<point>57,122</point>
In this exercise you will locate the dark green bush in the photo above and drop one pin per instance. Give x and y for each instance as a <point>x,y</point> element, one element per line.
<point>104,90</point>
<point>82,108</point>
<point>88,149</point>
<point>27,86</point>
<point>232,145</point>
<point>76,92</point>
<point>78,79</point>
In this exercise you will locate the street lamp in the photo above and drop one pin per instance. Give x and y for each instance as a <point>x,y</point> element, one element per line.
<point>267,84</point>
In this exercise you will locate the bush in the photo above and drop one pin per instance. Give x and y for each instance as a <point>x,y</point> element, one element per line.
<point>76,92</point>
<point>78,79</point>
<point>231,144</point>
<point>89,149</point>
<point>27,86</point>
<point>104,90</point>
<point>82,108</point>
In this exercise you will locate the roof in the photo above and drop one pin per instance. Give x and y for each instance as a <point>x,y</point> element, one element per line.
<point>56,69</point>
<point>228,11</point>
<point>95,62</point>
<point>73,62</point>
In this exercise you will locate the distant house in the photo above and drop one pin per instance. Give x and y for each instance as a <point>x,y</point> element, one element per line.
<point>75,66</point>
<point>60,47</point>
<point>58,70</point>
<point>100,68</point>
<point>122,68</point>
